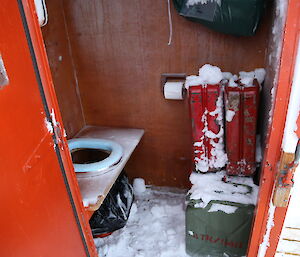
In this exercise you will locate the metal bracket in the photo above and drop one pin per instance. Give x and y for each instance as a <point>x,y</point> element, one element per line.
<point>285,182</point>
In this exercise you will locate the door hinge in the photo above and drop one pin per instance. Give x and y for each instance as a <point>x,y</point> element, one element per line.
<point>58,131</point>
<point>284,179</point>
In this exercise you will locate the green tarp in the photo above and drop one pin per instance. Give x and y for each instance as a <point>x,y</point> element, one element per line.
<point>237,17</point>
<point>218,234</point>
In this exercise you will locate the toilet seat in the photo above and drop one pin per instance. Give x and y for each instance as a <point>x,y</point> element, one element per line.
<point>100,144</point>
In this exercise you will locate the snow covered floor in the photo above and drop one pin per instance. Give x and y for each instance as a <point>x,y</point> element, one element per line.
<point>156,227</point>
<point>289,244</point>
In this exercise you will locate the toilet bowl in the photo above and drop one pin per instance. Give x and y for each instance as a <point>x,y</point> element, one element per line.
<point>114,154</point>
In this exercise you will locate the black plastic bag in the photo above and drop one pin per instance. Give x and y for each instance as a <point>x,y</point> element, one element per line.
<point>237,17</point>
<point>114,211</point>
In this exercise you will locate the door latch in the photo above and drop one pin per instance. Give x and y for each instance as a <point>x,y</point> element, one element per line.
<point>285,182</point>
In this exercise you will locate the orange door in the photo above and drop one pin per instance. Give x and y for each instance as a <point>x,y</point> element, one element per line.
<point>269,216</point>
<point>38,212</point>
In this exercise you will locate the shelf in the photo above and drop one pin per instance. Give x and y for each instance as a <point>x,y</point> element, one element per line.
<point>94,189</point>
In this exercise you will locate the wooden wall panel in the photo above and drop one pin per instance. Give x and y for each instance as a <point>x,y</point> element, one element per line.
<point>62,68</point>
<point>120,50</point>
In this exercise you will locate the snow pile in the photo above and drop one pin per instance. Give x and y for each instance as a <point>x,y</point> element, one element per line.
<point>224,208</point>
<point>217,157</point>
<point>211,186</point>
<point>245,78</point>
<point>139,186</point>
<point>156,227</point>
<point>193,2</point>
<point>208,74</point>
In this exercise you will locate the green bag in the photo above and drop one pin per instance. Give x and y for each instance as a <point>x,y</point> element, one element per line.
<point>237,17</point>
<point>218,234</point>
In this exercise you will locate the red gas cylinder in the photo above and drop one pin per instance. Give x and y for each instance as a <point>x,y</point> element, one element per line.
<point>241,104</point>
<point>206,110</point>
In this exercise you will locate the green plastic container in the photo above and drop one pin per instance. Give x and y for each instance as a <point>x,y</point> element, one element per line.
<point>218,234</point>
<point>237,17</point>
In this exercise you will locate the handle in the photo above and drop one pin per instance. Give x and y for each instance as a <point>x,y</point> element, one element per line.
<point>208,206</point>
<point>250,189</point>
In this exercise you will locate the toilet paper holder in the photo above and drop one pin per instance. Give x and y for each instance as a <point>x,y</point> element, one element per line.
<point>172,77</point>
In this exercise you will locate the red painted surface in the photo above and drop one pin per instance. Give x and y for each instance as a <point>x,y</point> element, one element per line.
<point>273,148</point>
<point>241,131</point>
<point>203,100</point>
<point>40,53</point>
<point>37,217</point>
<point>298,127</point>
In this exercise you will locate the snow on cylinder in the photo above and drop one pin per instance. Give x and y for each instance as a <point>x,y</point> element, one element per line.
<point>218,157</point>
<point>229,115</point>
<point>139,186</point>
<point>245,77</point>
<point>212,75</point>
<point>208,74</point>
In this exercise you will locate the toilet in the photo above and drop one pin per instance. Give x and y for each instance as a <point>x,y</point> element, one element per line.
<point>90,152</point>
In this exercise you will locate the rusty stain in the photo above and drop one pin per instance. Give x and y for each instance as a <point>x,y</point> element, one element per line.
<point>233,101</point>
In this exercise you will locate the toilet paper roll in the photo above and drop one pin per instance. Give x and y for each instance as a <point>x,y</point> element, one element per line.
<point>174,90</point>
